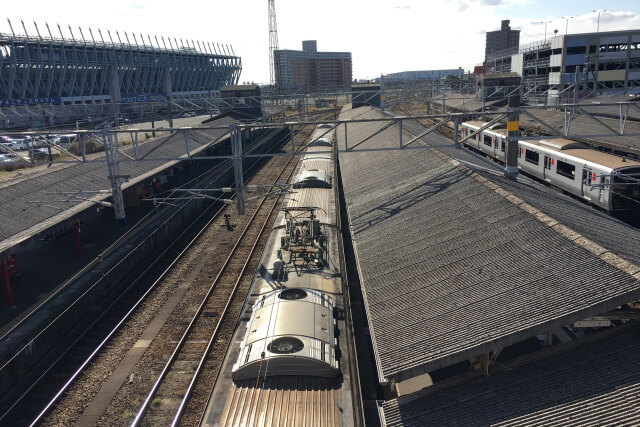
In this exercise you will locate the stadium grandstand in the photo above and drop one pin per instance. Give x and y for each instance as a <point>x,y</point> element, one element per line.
<point>47,80</point>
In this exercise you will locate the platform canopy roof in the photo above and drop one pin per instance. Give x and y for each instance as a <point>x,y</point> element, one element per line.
<point>453,266</point>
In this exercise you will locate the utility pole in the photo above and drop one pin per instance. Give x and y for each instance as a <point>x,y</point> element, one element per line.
<point>273,41</point>
<point>236,153</point>
<point>381,92</point>
<point>113,163</point>
<point>513,134</point>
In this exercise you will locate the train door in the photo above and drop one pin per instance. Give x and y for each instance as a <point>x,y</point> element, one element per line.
<point>590,189</point>
<point>586,182</point>
<point>547,167</point>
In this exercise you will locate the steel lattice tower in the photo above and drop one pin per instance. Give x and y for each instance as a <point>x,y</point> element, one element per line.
<point>273,39</point>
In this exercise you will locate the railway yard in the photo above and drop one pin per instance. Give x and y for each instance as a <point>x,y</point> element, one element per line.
<point>427,272</point>
<point>183,246</point>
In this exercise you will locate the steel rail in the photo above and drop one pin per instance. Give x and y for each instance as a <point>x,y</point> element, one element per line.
<point>125,317</point>
<point>143,408</point>
<point>100,257</point>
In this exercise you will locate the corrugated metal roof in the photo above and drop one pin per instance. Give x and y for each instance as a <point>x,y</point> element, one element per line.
<point>596,382</point>
<point>21,218</point>
<point>618,237</point>
<point>451,267</point>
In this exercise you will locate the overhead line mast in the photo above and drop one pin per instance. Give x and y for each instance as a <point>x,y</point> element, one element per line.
<point>273,39</point>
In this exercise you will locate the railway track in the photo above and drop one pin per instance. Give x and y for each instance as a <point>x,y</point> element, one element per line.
<point>213,321</point>
<point>79,387</point>
<point>445,131</point>
<point>212,325</point>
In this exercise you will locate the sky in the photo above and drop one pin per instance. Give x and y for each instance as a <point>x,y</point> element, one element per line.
<point>383,36</point>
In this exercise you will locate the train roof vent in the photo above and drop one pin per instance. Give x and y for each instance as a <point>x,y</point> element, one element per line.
<point>313,179</point>
<point>285,345</point>
<point>322,142</point>
<point>292,294</point>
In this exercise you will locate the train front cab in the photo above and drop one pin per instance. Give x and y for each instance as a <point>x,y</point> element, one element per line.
<point>625,192</point>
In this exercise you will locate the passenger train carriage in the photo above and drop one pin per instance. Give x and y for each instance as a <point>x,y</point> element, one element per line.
<point>289,361</point>
<point>607,181</point>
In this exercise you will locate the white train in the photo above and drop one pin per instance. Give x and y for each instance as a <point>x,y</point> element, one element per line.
<point>607,181</point>
<point>292,327</point>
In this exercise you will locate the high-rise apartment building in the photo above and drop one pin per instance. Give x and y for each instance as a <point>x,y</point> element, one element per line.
<point>310,70</point>
<point>500,40</point>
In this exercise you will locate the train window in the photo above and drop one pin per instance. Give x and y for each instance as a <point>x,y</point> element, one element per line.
<point>502,147</point>
<point>532,157</point>
<point>487,140</point>
<point>565,169</point>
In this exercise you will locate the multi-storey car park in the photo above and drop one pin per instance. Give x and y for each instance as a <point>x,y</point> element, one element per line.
<point>572,66</point>
<point>52,80</point>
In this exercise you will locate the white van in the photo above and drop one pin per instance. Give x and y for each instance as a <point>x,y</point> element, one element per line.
<point>19,144</point>
<point>66,140</point>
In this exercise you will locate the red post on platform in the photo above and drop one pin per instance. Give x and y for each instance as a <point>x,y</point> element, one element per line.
<point>76,238</point>
<point>6,266</point>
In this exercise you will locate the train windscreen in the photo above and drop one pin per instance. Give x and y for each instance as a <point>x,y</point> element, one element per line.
<point>625,191</point>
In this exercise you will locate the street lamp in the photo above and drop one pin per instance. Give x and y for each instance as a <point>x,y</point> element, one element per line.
<point>599,12</point>
<point>545,28</point>
<point>566,27</point>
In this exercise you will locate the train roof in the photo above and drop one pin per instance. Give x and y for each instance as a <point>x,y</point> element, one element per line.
<point>478,123</point>
<point>313,178</point>
<point>318,152</point>
<point>293,339</point>
<point>570,147</point>
<point>498,127</point>
<point>579,150</point>
<point>290,333</point>
<point>559,144</point>
<point>322,142</point>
